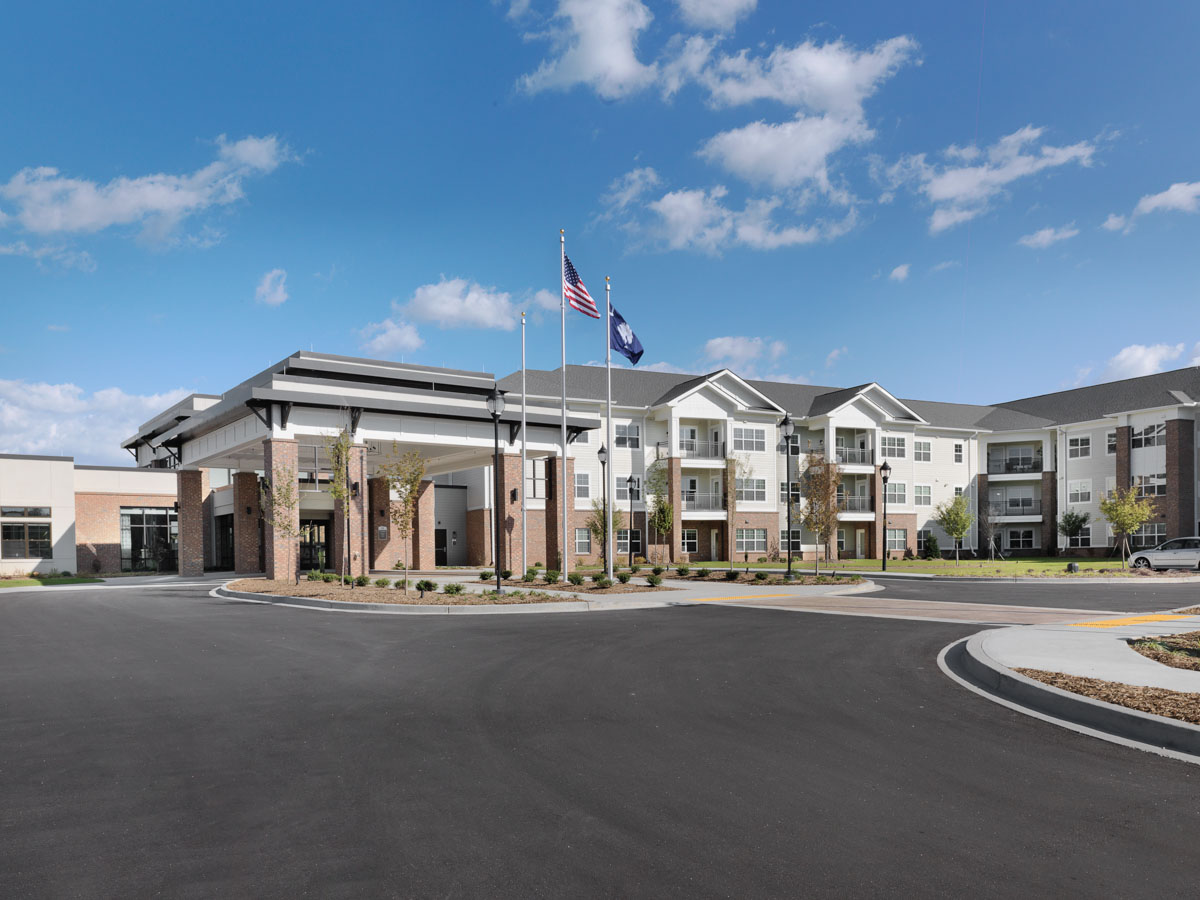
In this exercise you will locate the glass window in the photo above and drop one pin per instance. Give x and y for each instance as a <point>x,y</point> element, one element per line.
<point>1083,539</point>
<point>922,495</point>
<point>797,539</point>
<point>1020,539</point>
<point>12,542</point>
<point>751,490</point>
<point>958,453</point>
<point>841,540</point>
<point>149,537</point>
<point>691,541</point>
<point>1150,436</point>
<point>892,446</point>
<point>897,539</point>
<point>796,492</point>
<point>1150,535</point>
<point>750,439</point>
<point>583,485</point>
<point>624,487</point>
<point>751,540</point>
<point>921,537</point>
<point>794,445</point>
<point>584,437</point>
<point>629,436</point>
<point>922,451</point>
<point>535,479</point>
<point>1079,491</point>
<point>1110,443</point>
<point>583,541</point>
<point>1151,485</point>
<point>25,541</point>
<point>958,492</point>
<point>623,540</point>
<point>897,492</point>
<point>1079,447</point>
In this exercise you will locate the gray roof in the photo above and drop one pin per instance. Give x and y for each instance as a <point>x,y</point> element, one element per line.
<point>1087,403</point>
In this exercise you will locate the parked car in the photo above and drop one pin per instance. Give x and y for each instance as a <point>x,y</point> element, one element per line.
<point>1177,553</point>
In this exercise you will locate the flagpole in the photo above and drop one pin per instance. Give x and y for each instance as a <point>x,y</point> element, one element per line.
<point>524,535</point>
<point>562,487</point>
<point>610,493</point>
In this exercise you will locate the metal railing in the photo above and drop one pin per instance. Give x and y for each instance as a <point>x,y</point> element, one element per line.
<point>855,504</point>
<point>690,449</point>
<point>1014,466</point>
<point>1012,508</point>
<point>853,456</point>
<point>694,500</point>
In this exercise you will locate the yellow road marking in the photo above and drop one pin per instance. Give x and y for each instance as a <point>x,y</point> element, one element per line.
<point>1130,620</point>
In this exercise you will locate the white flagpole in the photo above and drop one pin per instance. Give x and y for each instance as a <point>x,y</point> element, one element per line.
<point>610,476</point>
<point>524,511</point>
<point>562,487</point>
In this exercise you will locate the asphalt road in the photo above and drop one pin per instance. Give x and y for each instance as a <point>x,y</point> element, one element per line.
<point>164,742</point>
<point>1137,595</point>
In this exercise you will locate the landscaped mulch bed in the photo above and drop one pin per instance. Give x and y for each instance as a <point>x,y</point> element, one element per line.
<point>1159,701</point>
<point>1179,651</point>
<point>371,594</point>
<point>588,587</point>
<point>1194,611</point>
<point>772,580</point>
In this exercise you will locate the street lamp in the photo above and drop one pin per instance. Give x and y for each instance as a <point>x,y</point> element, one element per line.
<point>886,471</point>
<point>602,453</point>
<point>495,405</point>
<point>629,487</point>
<point>788,427</point>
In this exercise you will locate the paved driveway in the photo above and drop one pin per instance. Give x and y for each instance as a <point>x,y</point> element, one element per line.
<point>168,742</point>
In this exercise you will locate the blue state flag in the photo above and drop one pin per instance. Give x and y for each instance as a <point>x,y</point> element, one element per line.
<point>622,339</point>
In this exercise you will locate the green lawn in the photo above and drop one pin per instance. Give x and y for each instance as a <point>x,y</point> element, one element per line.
<point>41,580</point>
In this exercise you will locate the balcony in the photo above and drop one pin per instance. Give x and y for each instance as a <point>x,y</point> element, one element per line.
<point>1015,466</point>
<point>1021,507</point>
<point>689,449</point>
<point>853,456</point>
<point>692,501</point>
<point>855,504</point>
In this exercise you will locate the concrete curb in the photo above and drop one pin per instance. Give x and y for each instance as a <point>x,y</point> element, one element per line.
<point>423,609</point>
<point>1104,720</point>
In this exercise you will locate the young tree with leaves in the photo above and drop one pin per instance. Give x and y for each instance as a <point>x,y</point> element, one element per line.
<point>656,490</point>
<point>337,448</point>
<point>1071,523</point>
<point>987,530</point>
<point>279,499</point>
<point>596,525</point>
<point>403,475</point>
<point>955,518</point>
<point>821,480</point>
<point>1126,512</point>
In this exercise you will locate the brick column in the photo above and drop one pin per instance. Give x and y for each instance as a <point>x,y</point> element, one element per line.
<point>424,521</point>
<point>509,482</point>
<point>359,512</point>
<point>191,522</point>
<point>282,550</point>
<point>206,494</point>
<point>983,511</point>
<point>879,527</point>
<point>1049,513</point>
<point>1124,477</point>
<point>246,535</point>
<point>557,480</point>
<point>386,551</point>
<point>1179,504</point>
<point>675,495</point>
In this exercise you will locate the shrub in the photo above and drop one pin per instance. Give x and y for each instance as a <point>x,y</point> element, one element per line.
<point>329,577</point>
<point>762,559</point>
<point>400,583</point>
<point>452,588</point>
<point>506,574</point>
<point>932,550</point>
<point>658,570</point>
<point>530,576</point>
<point>623,577</point>
<point>682,571</point>
<point>537,565</point>
<point>653,580</point>
<point>487,575</point>
<point>550,576</point>
<point>760,576</point>
<point>602,582</point>
<point>383,582</point>
<point>731,574</point>
<point>598,577</point>
<point>425,585</point>
<point>575,578</point>
<point>635,569</point>
<point>362,580</point>
<point>314,575</point>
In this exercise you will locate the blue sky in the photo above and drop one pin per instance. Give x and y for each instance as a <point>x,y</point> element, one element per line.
<point>962,203</point>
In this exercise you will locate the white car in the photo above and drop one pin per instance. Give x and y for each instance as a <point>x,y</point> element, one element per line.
<point>1177,553</point>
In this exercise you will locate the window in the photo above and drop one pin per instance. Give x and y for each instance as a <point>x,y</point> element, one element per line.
<point>25,540</point>
<point>897,539</point>
<point>691,541</point>
<point>25,512</point>
<point>797,539</point>
<point>1083,539</point>
<point>1020,539</point>
<point>922,536</point>
<point>752,439</point>
<point>1150,535</point>
<point>1150,436</point>
<point>897,492</point>
<point>958,492</point>
<point>751,490</point>
<point>584,437</point>
<point>1110,443</point>
<point>583,542</point>
<point>623,540</point>
<point>1079,491</point>
<point>1110,485</point>
<point>751,540</point>
<point>958,453</point>
<point>535,479</point>
<point>922,451</point>
<point>629,436</point>
<point>149,536</point>
<point>841,540</point>
<point>892,446</point>
<point>1151,485</point>
<point>1079,448</point>
<point>922,495</point>
<point>796,492</point>
<point>583,485</point>
<point>623,488</point>
<point>794,445</point>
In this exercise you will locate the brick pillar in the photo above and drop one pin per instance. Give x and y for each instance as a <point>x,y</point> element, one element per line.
<point>984,511</point>
<point>282,549</point>
<point>359,512</point>
<point>1049,513</point>
<point>247,553</point>
<point>1180,502</point>
<point>556,480</point>
<point>206,494</point>
<point>385,551</point>
<point>424,522</point>
<point>1124,477</point>
<point>509,482</point>
<point>675,495</point>
<point>191,522</point>
<point>879,529</point>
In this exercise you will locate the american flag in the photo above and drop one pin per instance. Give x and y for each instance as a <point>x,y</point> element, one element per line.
<point>575,293</point>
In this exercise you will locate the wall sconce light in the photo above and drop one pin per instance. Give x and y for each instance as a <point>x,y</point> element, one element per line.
<point>454,538</point>
<point>512,495</point>
<point>383,514</point>
<point>354,489</point>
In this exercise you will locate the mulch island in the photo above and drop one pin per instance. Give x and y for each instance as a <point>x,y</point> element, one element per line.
<point>372,594</point>
<point>1179,651</point>
<point>1159,701</point>
<point>1194,611</point>
<point>588,587</point>
<point>771,579</point>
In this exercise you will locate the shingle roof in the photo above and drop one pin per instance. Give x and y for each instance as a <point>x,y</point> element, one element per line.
<point>1087,403</point>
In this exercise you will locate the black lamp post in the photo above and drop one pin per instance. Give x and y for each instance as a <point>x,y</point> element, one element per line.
<point>602,453</point>
<point>495,405</point>
<point>886,471</point>
<point>788,427</point>
<point>629,486</point>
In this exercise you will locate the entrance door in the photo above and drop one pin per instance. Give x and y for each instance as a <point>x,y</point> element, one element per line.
<point>224,526</point>
<point>860,543</point>
<point>439,547</point>
<point>714,542</point>
<point>314,547</point>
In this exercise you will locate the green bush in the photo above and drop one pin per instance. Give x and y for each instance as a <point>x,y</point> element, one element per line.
<point>537,565</point>
<point>400,583</point>
<point>658,570</point>
<point>731,574</point>
<point>487,575</point>
<point>653,580</point>
<point>530,576</point>
<point>383,582</point>
<point>598,577</point>
<point>314,575</point>
<point>932,550</point>
<point>329,577</point>
<point>682,571</point>
<point>635,569</point>
<point>425,585</point>
<point>575,578</point>
<point>362,580</point>
<point>506,574</point>
<point>762,559</point>
<point>760,576</point>
<point>602,582</point>
<point>550,576</point>
<point>623,577</point>
<point>452,588</point>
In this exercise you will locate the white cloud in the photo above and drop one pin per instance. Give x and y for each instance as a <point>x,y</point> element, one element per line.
<point>834,355</point>
<point>944,265</point>
<point>744,352</point>
<point>1045,237</point>
<point>1138,359</point>
<point>1183,196</point>
<point>628,188</point>
<point>694,219</point>
<point>51,253</point>
<point>390,337</point>
<point>544,299</point>
<point>594,42</point>
<point>784,155</point>
<point>965,186</point>
<point>58,327</point>
<point>458,303</point>
<point>1114,222</point>
<point>900,273</point>
<point>65,420</point>
<point>272,289</point>
<point>719,15</point>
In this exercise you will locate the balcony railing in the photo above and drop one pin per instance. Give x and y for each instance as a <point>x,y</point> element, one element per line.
<point>689,449</point>
<point>1014,466</point>
<point>855,504</point>
<point>694,500</point>
<point>1014,508</point>
<point>853,456</point>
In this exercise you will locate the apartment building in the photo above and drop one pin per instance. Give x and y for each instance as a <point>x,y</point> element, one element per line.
<point>192,499</point>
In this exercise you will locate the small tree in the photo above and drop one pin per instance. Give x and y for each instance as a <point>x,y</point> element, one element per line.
<point>821,479</point>
<point>987,530</point>
<point>337,448</point>
<point>955,518</point>
<point>656,490</point>
<point>1072,523</point>
<point>279,499</point>
<point>1126,512</point>
<point>403,476</point>
<point>597,526</point>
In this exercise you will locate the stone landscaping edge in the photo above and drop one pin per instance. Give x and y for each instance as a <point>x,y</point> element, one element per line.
<point>967,662</point>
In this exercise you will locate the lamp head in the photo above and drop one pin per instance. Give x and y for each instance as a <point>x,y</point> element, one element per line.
<point>602,453</point>
<point>495,402</point>
<point>788,427</point>
<point>886,471</point>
